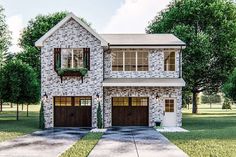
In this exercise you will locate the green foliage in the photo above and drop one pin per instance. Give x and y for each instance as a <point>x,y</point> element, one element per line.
<point>41,117</point>
<point>18,83</point>
<point>186,98</point>
<point>38,26</point>
<point>226,104</point>
<point>214,98</point>
<point>209,29</point>
<point>4,37</point>
<point>229,88</point>
<point>84,146</point>
<point>31,56</point>
<point>99,117</point>
<point>81,71</point>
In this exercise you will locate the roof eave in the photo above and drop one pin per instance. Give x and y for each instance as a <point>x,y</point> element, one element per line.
<point>40,42</point>
<point>179,46</point>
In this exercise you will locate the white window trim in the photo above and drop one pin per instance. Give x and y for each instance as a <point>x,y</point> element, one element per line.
<point>175,103</point>
<point>167,70</point>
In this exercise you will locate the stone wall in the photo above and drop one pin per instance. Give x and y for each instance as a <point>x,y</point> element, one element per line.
<point>156,67</point>
<point>71,35</point>
<point>155,107</point>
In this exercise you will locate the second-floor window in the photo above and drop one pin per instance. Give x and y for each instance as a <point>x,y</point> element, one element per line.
<point>72,58</point>
<point>130,60</point>
<point>169,61</point>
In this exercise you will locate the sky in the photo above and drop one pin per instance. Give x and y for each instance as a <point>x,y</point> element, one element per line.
<point>106,16</point>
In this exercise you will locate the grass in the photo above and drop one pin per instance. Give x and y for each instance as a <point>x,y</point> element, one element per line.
<point>83,147</point>
<point>10,128</point>
<point>212,133</point>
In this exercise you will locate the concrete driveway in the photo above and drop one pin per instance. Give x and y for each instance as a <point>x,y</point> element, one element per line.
<point>135,142</point>
<point>47,143</point>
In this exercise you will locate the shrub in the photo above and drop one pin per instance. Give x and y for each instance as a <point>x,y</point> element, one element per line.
<point>41,117</point>
<point>226,105</point>
<point>99,117</point>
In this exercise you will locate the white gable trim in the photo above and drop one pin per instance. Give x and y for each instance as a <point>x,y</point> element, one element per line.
<point>40,42</point>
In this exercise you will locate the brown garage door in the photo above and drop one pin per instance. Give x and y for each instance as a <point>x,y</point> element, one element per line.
<point>72,111</point>
<point>130,111</point>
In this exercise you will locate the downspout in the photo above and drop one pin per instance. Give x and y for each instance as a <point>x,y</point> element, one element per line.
<point>180,62</point>
<point>103,94</point>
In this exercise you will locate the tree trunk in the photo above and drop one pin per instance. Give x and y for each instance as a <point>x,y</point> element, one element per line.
<point>195,103</point>
<point>17,111</point>
<point>11,105</point>
<point>27,110</point>
<point>22,107</point>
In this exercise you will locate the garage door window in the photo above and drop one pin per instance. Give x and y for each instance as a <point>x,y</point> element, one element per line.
<point>63,101</point>
<point>169,105</point>
<point>139,101</point>
<point>121,101</point>
<point>73,101</point>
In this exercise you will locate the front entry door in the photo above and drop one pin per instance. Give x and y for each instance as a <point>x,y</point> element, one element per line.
<point>130,111</point>
<point>169,118</point>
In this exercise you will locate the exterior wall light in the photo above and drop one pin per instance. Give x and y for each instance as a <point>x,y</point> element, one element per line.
<point>98,97</point>
<point>157,97</point>
<point>45,97</point>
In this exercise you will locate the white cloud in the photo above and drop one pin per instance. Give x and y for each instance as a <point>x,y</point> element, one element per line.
<point>15,24</point>
<point>133,16</point>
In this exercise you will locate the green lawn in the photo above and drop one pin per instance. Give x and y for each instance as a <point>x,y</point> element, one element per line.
<point>212,133</point>
<point>10,128</point>
<point>83,147</point>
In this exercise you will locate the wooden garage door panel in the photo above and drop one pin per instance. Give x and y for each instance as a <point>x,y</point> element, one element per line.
<point>72,116</point>
<point>130,115</point>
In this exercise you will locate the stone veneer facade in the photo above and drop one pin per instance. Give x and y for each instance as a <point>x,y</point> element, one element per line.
<point>73,35</point>
<point>156,108</point>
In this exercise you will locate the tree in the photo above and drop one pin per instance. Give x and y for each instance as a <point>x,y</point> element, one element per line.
<point>18,84</point>
<point>41,117</point>
<point>99,116</point>
<point>35,29</point>
<point>4,37</point>
<point>229,88</point>
<point>4,41</point>
<point>209,30</point>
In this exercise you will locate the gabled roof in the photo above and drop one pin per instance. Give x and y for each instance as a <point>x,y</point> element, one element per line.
<point>142,40</point>
<point>39,43</point>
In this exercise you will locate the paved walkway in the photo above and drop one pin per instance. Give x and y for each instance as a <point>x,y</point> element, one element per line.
<point>135,142</point>
<point>48,143</point>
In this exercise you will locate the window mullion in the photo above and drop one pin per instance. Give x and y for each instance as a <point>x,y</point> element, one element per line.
<point>123,60</point>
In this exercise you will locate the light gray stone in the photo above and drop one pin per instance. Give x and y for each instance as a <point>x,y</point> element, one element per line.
<point>73,35</point>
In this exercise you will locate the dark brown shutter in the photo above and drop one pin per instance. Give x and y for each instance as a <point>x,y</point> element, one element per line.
<point>57,58</point>
<point>86,54</point>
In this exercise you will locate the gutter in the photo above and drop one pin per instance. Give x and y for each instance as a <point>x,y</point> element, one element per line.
<point>147,45</point>
<point>180,62</point>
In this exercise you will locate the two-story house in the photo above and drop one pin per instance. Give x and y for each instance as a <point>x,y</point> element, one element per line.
<point>136,77</point>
